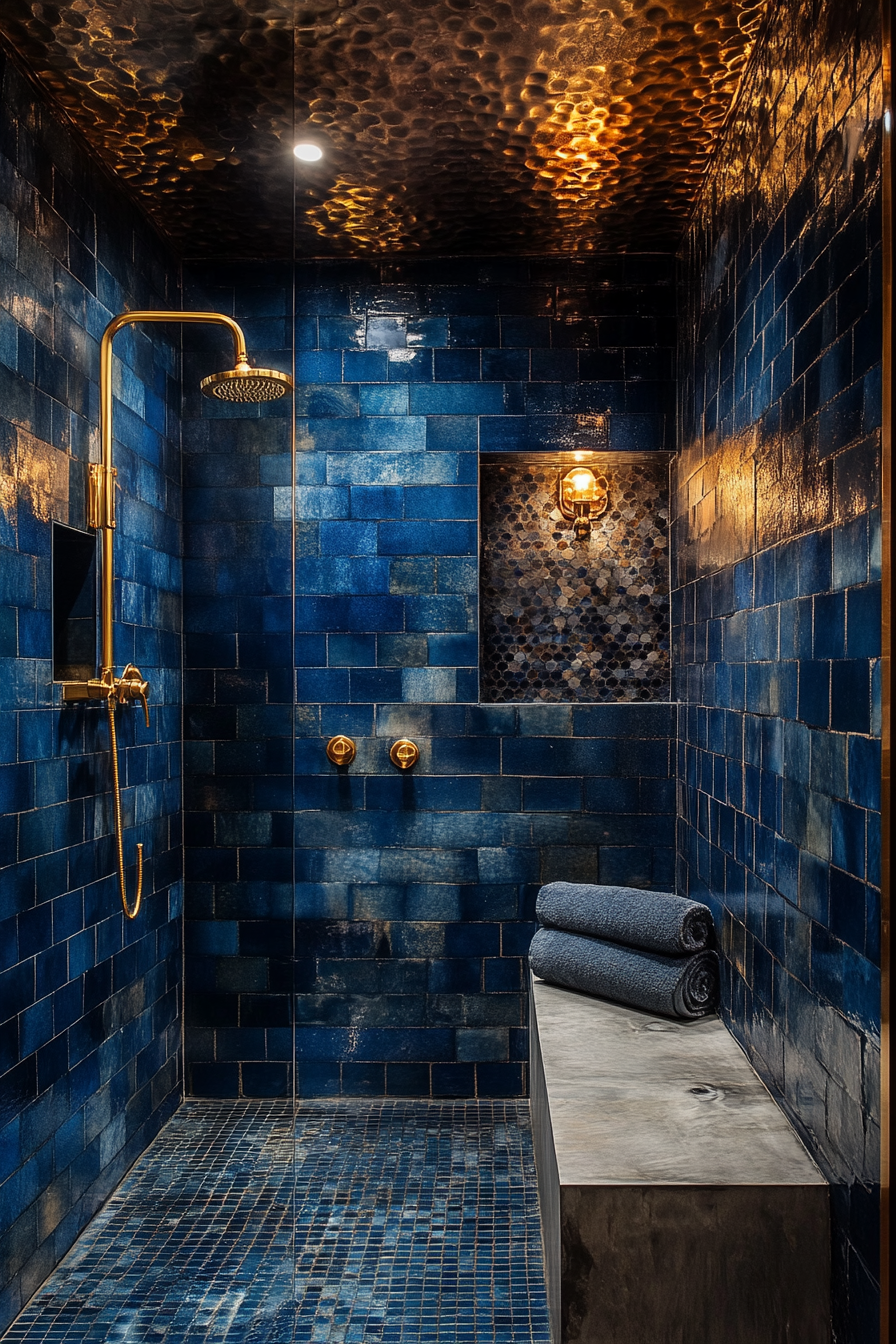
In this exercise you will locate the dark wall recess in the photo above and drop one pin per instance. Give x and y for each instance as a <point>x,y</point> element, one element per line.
<point>74,603</point>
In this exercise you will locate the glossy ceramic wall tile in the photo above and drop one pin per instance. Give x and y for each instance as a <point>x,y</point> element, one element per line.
<point>777,606</point>
<point>89,1010</point>
<point>238,701</point>
<point>414,897</point>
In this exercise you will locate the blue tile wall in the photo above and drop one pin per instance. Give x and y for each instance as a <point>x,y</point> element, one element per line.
<point>407,370</point>
<point>415,894</point>
<point>413,901</point>
<point>238,701</point>
<point>89,1006</point>
<point>777,605</point>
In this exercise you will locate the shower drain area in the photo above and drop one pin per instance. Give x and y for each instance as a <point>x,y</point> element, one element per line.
<point>344,1221</point>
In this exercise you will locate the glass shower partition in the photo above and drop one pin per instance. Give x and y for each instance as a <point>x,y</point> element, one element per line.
<point>239,707</point>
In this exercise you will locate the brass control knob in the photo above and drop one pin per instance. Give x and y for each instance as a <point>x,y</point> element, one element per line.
<point>341,750</point>
<point>404,753</point>
<point>130,686</point>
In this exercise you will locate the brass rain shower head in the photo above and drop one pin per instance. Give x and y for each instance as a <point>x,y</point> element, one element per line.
<point>245,384</point>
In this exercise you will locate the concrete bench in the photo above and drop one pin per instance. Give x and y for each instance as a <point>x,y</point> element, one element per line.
<point>678,1205</point>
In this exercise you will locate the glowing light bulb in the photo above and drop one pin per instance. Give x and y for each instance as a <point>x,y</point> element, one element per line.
<point>582,484</point>
<point>308,153</point>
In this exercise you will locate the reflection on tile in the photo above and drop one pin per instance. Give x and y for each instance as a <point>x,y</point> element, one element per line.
<point>382,1220</point>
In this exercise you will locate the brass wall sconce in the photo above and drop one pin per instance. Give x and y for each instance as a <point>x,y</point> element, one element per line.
<point>404,753</point>
<point>581,496</point>
<point>341,750</point>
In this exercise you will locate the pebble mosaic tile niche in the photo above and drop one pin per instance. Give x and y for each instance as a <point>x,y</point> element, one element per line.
<point>404,1221</point>
<point>568,620</point>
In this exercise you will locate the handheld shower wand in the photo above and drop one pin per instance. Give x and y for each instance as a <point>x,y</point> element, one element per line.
<point>243,383</point>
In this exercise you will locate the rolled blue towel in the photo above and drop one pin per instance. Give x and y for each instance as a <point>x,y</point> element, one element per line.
<point>656,921</point>
<point>673,986</point>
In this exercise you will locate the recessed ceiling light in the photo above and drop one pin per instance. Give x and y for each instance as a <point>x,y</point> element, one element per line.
<point>308,153</point>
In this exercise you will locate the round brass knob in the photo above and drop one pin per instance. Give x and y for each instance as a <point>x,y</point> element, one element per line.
<point>404,753</point>
<point>341,750</point>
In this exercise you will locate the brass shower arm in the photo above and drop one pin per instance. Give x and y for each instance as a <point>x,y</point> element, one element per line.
<point>101,482</point>
<point>105,494</point>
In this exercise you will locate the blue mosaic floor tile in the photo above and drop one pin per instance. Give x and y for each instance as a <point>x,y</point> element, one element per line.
<point>352,1223</point>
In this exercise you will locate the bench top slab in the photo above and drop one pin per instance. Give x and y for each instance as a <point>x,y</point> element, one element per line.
<point>638,1099</point>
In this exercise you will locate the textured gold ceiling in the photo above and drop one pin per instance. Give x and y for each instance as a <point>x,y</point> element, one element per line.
<point>448,126</point>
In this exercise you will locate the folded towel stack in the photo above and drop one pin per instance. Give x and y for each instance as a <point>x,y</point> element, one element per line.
<point>650,949</point>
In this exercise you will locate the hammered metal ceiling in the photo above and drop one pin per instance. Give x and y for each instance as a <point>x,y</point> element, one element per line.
<point>449,126</point>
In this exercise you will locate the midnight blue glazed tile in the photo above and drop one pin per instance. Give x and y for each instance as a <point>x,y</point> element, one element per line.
<point>815,562</point>
<point>345,538</point>
<point>410,366</point>
<point>523,331</point>
<point>452,650</point>
<point>346,613</point>
<point>377,501</point>
<point>427,538</point>
<point>850,696</point>
<point>329,684</point>
<point>457,399</point>
<point>327,399</point>
<point>829,625</point>
<point>553,366</point>
<point>469,330</point>
<point>815,693</point>
<point>639,433</point>
<point>453,1080</point>
<point>374,684</point>
<point>319,366</point>
<point>505,365</point>
<point>371,434</point>
<point>851,553</point>
<point>864,772</point>
<point>863,622</point>
<point>427,331</point>
<point>848,837</point>
<point>504,433</point>
<point>461,365</point>
<point>357,650</point>
<point>365,366</point>
<point>441,502</point>
<point>341,333</point>
<point>384,399</point>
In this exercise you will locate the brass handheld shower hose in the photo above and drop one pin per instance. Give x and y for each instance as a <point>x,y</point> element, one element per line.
<point>119,843</point>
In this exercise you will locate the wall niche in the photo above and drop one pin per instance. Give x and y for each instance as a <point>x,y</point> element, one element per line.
<point>564,619</point>
<point>74,603</point>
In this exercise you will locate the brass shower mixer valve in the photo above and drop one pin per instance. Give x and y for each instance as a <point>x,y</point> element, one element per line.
<point>126,689</point>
